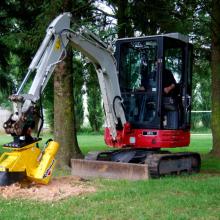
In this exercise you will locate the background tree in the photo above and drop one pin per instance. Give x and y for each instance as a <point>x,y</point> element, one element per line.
<point>215,65</point>
<point>95,110</point>
<point>13,33</point>
<point>78,89</point>
<point>64,117</point>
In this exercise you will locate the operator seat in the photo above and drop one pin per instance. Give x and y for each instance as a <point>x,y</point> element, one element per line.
<point>171,110</point>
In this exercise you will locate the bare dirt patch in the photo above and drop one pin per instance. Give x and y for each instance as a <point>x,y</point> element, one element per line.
<point>58,188</point>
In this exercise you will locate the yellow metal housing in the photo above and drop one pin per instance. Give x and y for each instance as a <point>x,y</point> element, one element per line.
<point>37,165</point>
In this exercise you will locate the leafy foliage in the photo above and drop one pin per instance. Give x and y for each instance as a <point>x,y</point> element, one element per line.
<point>78,91</point>
<point>95,110</point>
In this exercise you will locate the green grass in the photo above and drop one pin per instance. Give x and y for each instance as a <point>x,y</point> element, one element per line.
<point>185,197</point>
<point>188,197</point>
<point>91,143</point>
<point>199,143</point>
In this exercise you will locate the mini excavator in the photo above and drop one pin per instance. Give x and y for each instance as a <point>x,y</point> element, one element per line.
<point>139,122</point>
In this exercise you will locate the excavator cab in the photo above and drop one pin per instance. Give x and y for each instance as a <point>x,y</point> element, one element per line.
<point>147,66</point>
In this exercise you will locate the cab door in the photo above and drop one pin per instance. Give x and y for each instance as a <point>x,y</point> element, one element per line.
<point>139,80</point>
<point>178,59</point>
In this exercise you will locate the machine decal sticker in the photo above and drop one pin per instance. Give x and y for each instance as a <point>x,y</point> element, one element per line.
<point>57,44</point>
<point>49,170</point>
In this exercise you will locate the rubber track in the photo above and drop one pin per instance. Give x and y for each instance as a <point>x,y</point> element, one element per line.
<point>153,161</point>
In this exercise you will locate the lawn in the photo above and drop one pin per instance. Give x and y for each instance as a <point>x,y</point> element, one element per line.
<point>185,197</point>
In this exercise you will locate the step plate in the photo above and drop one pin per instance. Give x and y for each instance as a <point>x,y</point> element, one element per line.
<point>110,170</point>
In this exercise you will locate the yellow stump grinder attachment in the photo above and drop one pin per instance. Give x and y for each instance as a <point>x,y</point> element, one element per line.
<point>28,162</point>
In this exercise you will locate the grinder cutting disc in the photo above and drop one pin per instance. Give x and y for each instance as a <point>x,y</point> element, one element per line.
<point>7,178</point>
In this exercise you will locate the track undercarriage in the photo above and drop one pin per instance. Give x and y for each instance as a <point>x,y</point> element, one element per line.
<point>136,164</point>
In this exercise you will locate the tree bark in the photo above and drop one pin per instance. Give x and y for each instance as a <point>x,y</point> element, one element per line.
<point>64,119</point>
<point>124,22</point>
<point>215,66</point>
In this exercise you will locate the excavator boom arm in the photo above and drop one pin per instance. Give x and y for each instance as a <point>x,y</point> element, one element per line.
<point>53,50</point>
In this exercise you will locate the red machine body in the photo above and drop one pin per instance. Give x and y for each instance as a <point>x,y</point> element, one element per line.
<point>148,138</point>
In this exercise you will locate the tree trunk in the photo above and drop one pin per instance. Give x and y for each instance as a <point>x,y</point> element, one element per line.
<point>64,119</point>
<point>124,22</point>
<point>215,65</point>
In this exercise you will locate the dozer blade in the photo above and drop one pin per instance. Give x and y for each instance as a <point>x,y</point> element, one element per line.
<point>110,170</point>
